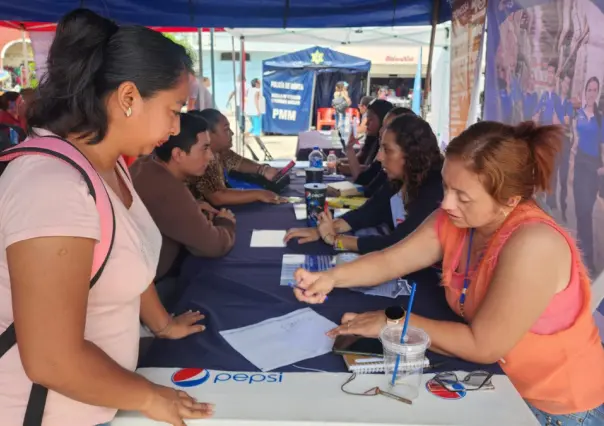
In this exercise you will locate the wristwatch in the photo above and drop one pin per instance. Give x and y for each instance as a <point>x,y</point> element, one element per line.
<point>394,314</point>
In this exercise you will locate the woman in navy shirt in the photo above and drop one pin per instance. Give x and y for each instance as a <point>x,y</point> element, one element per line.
<point>588,142</point>
<point>412,160</point>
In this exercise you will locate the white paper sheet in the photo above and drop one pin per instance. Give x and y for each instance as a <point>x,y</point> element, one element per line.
<point>284,340</point>
<point>267,238</point>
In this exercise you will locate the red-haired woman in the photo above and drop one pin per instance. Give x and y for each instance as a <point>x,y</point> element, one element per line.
<point>509,271</point>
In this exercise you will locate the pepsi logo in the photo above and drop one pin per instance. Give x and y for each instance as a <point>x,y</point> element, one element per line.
<point>440,391</point>
<point>190,377</point>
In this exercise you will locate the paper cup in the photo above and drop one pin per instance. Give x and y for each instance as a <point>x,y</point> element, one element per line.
<point>314,175</point>
<point>315,195</point>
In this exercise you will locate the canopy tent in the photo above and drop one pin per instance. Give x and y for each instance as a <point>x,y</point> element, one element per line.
<point>357,36</point>
<point>295,84</point>
<point>237,13</point>
<point>49,27</point>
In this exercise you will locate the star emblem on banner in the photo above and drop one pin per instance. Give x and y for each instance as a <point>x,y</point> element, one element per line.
<point>317,57</point>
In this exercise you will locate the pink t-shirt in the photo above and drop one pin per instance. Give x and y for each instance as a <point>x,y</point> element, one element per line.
<point>40,197</point>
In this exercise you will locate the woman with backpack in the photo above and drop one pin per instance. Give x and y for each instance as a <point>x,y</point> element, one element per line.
<point>81,249</point>
<point>341,102</point>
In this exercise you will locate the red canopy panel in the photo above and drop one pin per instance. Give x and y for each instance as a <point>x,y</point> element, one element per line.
<point>44,26</point>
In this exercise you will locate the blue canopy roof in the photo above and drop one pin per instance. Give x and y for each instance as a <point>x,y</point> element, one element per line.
<point>319,58</point>
<point>237,13</point>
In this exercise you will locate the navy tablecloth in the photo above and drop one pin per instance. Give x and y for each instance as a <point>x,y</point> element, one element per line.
<point>243,288</point>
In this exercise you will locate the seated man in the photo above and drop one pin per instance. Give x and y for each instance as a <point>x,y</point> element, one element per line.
<point>212,186</point>
<point>160,180</point>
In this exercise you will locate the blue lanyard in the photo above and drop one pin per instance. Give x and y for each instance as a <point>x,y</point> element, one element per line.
<point>466,277</point>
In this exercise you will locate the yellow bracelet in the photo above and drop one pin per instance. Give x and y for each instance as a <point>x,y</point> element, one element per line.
<point>338,245</point>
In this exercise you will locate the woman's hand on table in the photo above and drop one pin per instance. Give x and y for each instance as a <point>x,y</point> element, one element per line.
<point>173,406</point>
<point>368,324</point>
<point>269,197</point>
<point>326,228</point>
<point>304,235</point>
<point>312,287</point>
<point>182,326</point>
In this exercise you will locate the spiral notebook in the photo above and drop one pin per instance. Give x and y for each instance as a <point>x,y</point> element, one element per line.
<point>363,364</point>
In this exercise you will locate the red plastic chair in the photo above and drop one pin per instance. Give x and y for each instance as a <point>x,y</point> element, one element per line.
<point>354,112</point>
<point>326,117</point>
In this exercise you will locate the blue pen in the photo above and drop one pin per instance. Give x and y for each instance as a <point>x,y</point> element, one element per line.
<point>292,285</point>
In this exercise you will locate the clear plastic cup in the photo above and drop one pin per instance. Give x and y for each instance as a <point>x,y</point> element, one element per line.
<point>411,356</point>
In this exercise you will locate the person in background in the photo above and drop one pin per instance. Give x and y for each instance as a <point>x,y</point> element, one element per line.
<point>412,161</point>
<point>340,102</point>
<point>588,142</point>
<point>184,223</point>
<point>27,97</point>
<point>382,93</point>
<point>212,186</point>
<point>111,91</point>
<point>564,113</point>
<point>255,107</point>
<point>496,245</point>
<point>236,94</point>
<point>207,83</point>
<point>530,99</point>
<point>9,111</point>
<point>199,97</point>
<point>549,99</point>
<point>363,104</point>
<point>355,162</point>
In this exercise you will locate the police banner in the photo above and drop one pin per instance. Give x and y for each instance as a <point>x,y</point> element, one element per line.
<point>466,58</point>
<point>288,95</point>
<point>545,62</point>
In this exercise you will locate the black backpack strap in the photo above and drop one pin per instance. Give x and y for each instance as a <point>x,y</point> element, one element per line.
<point>38,394</point>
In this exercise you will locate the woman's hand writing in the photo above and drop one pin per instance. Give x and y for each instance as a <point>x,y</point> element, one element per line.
<point>312,287</point>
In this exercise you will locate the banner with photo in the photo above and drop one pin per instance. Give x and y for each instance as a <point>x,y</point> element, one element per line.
<point>546,64</point>
<point>466,57</point>
<point>40,44</point>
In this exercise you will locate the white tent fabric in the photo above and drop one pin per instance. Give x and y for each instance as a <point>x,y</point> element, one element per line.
<point>333,37</point>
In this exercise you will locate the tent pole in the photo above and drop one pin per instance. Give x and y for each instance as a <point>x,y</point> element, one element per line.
<point>427,88</point>
<point>25,76</point>
<point>312,101</point>
<point>200,52</point>
<point>238,147</point>
<point>212,60</point>
<point>368,91</point>
<point>243,86</point>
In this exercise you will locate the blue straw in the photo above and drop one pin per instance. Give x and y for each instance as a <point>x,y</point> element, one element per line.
<point>405,324</point>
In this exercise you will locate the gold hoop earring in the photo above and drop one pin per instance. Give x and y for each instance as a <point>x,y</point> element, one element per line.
<point>129,112</point>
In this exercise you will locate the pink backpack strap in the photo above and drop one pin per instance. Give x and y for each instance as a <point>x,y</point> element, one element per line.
<point>53,146</point>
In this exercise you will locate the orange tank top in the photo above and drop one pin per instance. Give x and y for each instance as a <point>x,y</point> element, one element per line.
<point>559,373</point>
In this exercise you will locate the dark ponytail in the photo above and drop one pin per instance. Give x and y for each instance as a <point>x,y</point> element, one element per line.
<point>89,58</point>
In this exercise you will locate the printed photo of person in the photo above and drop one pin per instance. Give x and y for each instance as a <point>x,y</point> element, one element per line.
<point>588,160</point>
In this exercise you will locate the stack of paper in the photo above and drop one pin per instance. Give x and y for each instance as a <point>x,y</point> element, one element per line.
<point>267,238</point>
<point>283,340</point>
<point>291,262</point>
<point>392,289</point>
